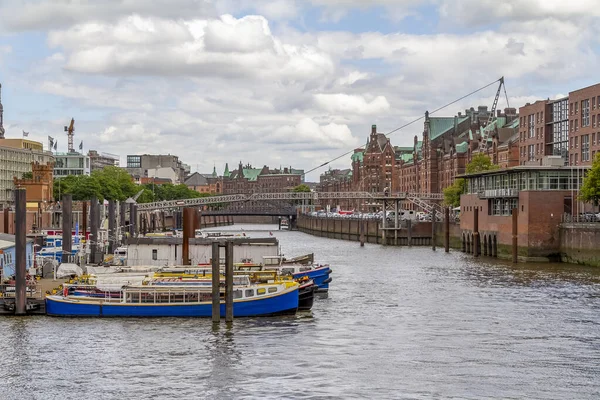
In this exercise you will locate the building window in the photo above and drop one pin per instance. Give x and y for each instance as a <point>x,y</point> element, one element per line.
<point>154,254</point>
<point>134,161</point>
<point>576,107</point>
<point>576,139</point>
<point>530,126</point>
<point>593,103</point>
<point>585,148</point>
<point>531,153</point>
<point>585,113</point>
<point>571,108</point>
<point>593,139</point>
<point>593,121</point>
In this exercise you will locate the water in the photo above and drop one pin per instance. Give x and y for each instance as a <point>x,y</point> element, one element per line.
<point>398,323</point>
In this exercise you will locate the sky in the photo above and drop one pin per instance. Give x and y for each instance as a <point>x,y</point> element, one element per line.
<point>277,82</point>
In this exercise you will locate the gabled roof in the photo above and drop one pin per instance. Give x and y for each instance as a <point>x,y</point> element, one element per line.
<point>196,179</point>
<point>249,173</point>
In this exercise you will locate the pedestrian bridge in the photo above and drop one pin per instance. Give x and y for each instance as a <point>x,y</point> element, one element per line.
<point>418,198</point>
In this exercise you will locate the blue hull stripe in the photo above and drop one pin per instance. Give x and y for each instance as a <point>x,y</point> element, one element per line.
<point>285,303</point>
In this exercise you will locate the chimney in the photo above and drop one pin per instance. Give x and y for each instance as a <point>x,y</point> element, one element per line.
<point>373,129</point>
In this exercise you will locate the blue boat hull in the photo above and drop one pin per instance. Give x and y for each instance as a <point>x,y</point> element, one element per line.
<point>320,277</point>
<point>282,304</point>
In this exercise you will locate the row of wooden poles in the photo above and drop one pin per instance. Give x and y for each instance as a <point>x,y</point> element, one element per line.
<point>433,230</point>
<point>191,222</point>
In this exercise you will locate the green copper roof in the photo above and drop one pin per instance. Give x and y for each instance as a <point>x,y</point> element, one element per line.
<point>214,173</point>
<point>406,157</point>
<point>462,147</point>
<point>358,156</point>
<point>398,148</point>
<point>251,173</point>
<point>226,174</point>
<point>441,125</point>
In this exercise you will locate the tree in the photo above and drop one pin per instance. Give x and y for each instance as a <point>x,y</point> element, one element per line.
<point>452,193</point>
<point>116,183</point>
<point>590,190</point>
<point>479,163</point>
<point>27,175</point>
<point>301,188</point>
<point>85,187</point>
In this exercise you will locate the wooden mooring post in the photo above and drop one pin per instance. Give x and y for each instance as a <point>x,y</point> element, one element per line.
<point>476,250</point>
<point>447,229</point>
<point>362,233</point>
<point>515,235</point>
<point>216,283</point>
<point>433,221</point>
<point>229,281</point>
<point>20,251</point>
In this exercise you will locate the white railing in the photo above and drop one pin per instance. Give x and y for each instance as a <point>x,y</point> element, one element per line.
<point>314,196</point>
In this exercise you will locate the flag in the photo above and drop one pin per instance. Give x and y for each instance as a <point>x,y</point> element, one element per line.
<point>55,144</point>
<point>81,145</point>
<point>25,134</point>
<point>270,233</point>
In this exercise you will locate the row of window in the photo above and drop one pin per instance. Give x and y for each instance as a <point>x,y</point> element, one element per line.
<point>529,180</point>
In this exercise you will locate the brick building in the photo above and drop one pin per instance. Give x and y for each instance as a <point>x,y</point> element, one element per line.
<point>205,183</point>
<point>541,194</point>
<point>39,187</point>
<point>432,164</point>
<point>568,127</point>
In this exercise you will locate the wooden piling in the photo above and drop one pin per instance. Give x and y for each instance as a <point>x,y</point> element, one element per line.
<point>409,231</point>
<point>515,235</point>
<point>67,227</point>
<point>229,281</point>
<point>447,229</point>
<point>94,222</point>
<point>188,232</point>
<point>112,219</point>
<point>6,217</point>
<point>20,251</point>
<point>362,232</point>
<point>476,250</point>
<point>433,221</point>
<point>216,284</point>
<point>84,218</point>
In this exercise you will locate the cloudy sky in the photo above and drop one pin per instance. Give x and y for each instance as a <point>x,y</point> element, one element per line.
<point>276,82</point>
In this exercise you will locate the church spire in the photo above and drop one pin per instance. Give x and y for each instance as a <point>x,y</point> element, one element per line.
<point>226,173</point>
<point>1,115</point>
<point>214,174</point>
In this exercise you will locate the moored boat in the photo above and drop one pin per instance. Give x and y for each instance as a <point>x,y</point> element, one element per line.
<point>178,301</point>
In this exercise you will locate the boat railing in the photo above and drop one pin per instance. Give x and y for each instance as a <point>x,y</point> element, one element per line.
<point>167,294</point>
<point>33,291</point>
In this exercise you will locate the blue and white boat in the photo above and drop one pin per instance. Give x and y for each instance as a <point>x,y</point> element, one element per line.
<point>56,253</point>
<point>178,301</point>
<point>319,273</point>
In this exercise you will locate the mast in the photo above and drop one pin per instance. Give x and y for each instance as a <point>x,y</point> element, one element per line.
<point>1,115</point>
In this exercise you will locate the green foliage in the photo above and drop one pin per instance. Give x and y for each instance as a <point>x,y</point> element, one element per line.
<point>452,193</point>
<point>590,190</point>
<point>301,188</point>
<point>479,163</point>
<point>27,175</point>
<point>114,183</point>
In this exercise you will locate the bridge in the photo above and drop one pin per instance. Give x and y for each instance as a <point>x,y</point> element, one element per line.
<point>282,212</point>
<point>423,200</point>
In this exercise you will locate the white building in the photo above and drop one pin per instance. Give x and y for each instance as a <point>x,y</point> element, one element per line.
<point>168,251</point>
<point>71,164</point>
<point>164,173</point>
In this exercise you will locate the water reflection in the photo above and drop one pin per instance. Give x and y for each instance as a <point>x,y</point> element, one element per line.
<point>398,323</point>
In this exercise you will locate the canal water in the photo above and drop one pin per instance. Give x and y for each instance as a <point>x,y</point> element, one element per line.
<point>398,323</point>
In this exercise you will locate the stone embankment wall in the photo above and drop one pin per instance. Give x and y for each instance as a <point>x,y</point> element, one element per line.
<point>580,243</point>
<point>349,229</point>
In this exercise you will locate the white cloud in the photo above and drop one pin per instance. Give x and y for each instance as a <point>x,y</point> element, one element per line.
<point>340,103</point>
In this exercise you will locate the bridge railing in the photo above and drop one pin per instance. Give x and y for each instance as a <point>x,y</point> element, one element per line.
<point>314,196</point>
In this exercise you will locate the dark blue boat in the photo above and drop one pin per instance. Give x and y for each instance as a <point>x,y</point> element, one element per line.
<point>160,301</point>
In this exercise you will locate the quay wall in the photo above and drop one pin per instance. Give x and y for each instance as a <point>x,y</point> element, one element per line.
<point>580,243</point>
<point>349,229</point>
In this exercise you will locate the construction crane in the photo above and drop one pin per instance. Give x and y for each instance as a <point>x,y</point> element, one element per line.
<point>70,129</point>
<point>486,133</point>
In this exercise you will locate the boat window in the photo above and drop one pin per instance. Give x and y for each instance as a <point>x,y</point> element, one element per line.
<point>154,254</point>
<point>249,293</point>
<point>237,294</point>
<point>287,271</point>
<point>272,289</point>
<point>302,269</point>
<point>261,291</point>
